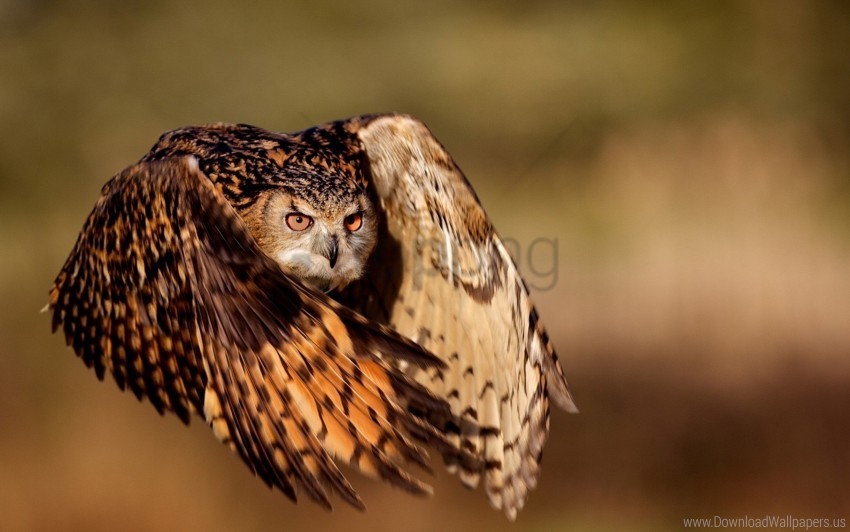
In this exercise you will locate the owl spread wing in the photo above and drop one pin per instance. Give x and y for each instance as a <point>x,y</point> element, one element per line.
<point>457,293</point>
<point>167,290</point>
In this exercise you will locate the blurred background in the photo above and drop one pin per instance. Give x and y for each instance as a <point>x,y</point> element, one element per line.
<point>688,162</point>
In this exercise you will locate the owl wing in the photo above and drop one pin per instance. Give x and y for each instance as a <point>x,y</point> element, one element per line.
<point>455,291</point>
<point>167,290</point>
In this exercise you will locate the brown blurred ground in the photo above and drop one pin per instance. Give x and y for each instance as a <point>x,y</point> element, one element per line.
<point>690,160</point>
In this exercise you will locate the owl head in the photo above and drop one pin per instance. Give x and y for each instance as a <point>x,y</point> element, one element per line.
<point>319,226</point>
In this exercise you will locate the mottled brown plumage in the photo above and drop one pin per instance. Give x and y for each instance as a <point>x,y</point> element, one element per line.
<point>183,286</point>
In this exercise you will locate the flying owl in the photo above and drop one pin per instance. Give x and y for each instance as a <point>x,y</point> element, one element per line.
<point>334,294</point>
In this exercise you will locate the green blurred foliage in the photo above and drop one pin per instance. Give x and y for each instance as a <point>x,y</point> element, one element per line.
<point>690,158</point>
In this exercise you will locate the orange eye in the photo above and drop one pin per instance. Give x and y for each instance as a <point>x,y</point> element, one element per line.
<point>298,222</point>
<point>353,222</point>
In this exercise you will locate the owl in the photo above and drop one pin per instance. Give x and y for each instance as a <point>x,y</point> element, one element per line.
<point>333,295</point>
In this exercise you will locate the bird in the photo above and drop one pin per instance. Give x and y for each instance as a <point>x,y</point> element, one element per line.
<point>333,295</point>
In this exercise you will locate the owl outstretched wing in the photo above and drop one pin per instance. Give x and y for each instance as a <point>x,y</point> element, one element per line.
<point>455,291</point>
<point>167,290</point>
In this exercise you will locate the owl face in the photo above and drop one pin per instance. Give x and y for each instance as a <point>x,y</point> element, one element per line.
<point>325,243</point>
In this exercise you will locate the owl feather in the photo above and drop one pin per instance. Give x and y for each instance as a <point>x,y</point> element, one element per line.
<point>458,294</point>
<point>167,290</point>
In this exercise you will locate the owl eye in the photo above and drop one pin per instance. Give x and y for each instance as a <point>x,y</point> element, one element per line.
<point>353,222</point>
<point>298,222</point>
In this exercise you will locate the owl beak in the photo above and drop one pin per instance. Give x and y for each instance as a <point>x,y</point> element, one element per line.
<point>333,252</point>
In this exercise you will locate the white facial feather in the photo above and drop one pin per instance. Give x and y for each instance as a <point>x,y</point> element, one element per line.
<point>306,253</point>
